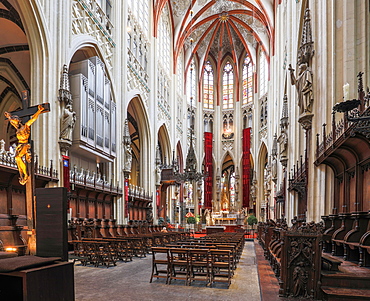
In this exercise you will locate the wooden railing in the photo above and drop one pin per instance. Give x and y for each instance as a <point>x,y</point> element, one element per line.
<point>344,128</point>
<point>139,193</point>
<point>91,180</point>
<point>7,160</point>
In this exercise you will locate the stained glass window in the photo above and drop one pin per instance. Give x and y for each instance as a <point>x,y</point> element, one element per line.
<point>263,73</point>
<point>208,94</point>
<point>191,84</point>
<point>165,41</point>
<point>228,87</point>
<point>247,80</point>
<point>179,72</point>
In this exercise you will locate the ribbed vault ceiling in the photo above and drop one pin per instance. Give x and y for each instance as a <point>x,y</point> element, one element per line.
<point>220,27</point>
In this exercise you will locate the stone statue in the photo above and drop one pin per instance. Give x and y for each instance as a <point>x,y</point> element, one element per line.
<point>158,175</point>
<point>303,84</point>
<point>267,178</point>
<point>274,168</point>
<point>22,152</point>
<point>68,123</point>
<point>283,140</point>
<point>207,215</point>
<point>253,191</point>
<point>128,157</point>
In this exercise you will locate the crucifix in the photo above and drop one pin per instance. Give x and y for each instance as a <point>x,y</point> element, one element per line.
<point>22,120</point>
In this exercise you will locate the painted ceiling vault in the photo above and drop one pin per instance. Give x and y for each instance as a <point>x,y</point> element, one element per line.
<point>215,28</point>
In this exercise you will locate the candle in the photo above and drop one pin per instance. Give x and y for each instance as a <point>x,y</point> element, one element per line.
<point>346,91</point>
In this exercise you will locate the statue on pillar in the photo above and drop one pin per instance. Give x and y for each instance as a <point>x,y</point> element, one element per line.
<point>68,119</point>
<point>127,155</point>
<point>303,84</point>
<point>158,166</point>
<point>67,123</point>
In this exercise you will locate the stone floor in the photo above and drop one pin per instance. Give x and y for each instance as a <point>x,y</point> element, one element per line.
<point>130,282</point>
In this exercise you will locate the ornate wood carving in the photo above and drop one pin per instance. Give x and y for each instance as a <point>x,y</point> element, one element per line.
<point>301,261</point>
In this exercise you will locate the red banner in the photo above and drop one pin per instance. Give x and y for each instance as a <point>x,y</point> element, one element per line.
<point>208,169</point>
<point>158,201</point>
<point>246,166</point>
<point>66,182</point>
<point>158,198</point>
<point>126,198</point>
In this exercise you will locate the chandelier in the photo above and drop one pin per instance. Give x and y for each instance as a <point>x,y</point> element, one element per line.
<point>190,172</point>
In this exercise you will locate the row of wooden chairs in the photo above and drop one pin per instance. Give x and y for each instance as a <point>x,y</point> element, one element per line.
<point>208,265</point>
<point>232,247</point>
<point>212,258</point>
<point>121,247</point>
<point>79,228</point>
<point>95,253</point>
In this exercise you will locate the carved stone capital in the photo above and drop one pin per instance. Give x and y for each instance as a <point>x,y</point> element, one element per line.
<point>306,121</point>
<point>64,146</point>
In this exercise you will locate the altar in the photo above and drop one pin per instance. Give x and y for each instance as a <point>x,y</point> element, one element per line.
<point>215,229</point>
<point>225,220</point>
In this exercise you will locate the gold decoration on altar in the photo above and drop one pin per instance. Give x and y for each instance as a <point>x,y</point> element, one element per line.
<point>225,203</point>
<point>22,152</point>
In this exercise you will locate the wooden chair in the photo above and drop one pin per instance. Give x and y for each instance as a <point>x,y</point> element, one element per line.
<point>199,265</point>
<point>79,252</point>
<point>230,248</point>
<point>160,263</point>
<point>105,253</point>
<point>221,266</point>
<point>179,264</point>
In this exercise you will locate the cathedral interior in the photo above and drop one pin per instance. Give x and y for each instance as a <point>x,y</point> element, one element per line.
<point>196,115</point>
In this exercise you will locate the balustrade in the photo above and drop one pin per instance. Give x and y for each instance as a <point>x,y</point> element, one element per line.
<point>93,180</point>
<point>7,160</point>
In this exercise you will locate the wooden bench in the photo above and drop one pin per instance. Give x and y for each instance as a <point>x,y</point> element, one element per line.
<point>330,263</point>
<point>351,241</point>
<point>338,236</point>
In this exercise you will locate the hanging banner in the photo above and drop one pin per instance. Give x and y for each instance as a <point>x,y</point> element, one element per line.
<point>126,198</point>
<point>246,166</point>
<point>208,169</point>
<point>66,182</point>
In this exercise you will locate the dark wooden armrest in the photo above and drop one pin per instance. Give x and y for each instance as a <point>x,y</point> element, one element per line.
<point>331,262</point>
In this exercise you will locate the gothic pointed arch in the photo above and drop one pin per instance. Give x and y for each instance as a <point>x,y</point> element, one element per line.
<point>262,182</point>
<point>227,189</point>
<point>165,145</point>
<point>140,140</point>
<point>15,61</point>
<point>208,88</point>
<point>228,78</point>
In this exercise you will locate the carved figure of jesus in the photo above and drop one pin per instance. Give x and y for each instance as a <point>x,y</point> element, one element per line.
<point>22,152</point>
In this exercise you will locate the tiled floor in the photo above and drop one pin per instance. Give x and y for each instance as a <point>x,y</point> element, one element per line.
<point>254,280</point>
<point>268,282</point>
<point>130,282</point>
